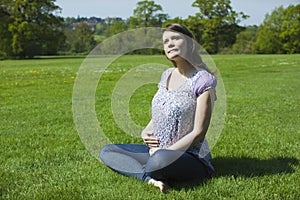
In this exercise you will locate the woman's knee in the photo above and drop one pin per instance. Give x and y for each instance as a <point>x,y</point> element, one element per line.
<point>107,148</point>
<point>161,159</point>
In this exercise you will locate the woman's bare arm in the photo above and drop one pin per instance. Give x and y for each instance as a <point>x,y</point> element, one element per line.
<point>201,124</point>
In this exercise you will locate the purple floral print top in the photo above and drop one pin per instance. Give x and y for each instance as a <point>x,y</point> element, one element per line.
<point>173,111</point>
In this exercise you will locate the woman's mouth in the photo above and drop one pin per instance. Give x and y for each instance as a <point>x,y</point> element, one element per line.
<point>172,50</point>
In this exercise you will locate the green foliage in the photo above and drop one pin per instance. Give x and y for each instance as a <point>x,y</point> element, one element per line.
<point>84,38</point>
<point>177,20</point>
<point>138,41</point>
<point>280,31</point>
<point>31,28</point>
<point>80,39</point>
<point>147,14</point>
<point>268,40</point>
<point>245,40</point>
<point>216,24</point>
<point>42,157</point>
<point>115,27</point>
<point>100,28</point>
<point>5,35</point>
<point>290,33</point>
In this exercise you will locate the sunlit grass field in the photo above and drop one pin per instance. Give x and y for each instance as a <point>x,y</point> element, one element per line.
<point>42,157</point>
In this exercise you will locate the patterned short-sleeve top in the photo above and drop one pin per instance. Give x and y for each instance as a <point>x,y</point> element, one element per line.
<point>173,111</point>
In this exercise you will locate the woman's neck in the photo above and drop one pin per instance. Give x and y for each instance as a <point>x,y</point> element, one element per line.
<point>185,68</point>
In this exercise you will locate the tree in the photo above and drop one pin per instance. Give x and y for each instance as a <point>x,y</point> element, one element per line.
<point>100,28</point>
<point>268,40</point>
<point>84,41</point>
<point>5,35</point>
<point>147,14</point>
<point>117,27</point>
<point>245,40</point>
<point>216,24</point>
<point>79,35</point>
<point>114,26</point>
<point>32,28</point>
<point>280,31</point>
<point>290,31</point>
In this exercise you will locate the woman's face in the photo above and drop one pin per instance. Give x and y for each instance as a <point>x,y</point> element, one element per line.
<point>174,45</point>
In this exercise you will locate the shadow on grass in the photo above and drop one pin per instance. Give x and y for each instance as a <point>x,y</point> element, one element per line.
<point>245,167</point>
<point>250,167</point>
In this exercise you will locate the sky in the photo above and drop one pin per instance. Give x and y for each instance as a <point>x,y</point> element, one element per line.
<point>256,9</point>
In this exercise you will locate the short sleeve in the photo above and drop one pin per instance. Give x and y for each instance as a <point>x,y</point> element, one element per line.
<point>204,82</point>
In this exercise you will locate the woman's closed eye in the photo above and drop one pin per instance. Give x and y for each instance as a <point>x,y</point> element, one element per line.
<point>176,38</point>
<point>173,38</point>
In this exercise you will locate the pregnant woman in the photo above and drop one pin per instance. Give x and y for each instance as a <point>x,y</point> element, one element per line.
<point>175,146</point>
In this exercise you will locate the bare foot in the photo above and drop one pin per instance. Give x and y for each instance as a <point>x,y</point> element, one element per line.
<point>161,185</point>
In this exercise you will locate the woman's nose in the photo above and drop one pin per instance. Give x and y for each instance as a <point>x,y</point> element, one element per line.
<point>170,44</point>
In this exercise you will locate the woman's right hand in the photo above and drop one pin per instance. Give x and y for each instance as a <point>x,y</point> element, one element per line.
<point>150,140</point>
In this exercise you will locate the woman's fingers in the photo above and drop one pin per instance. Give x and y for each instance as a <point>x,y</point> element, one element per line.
<point>153,145</point>
<point>151,141</point>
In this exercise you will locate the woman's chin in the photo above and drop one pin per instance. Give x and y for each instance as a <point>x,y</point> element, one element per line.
<point>175,58</point>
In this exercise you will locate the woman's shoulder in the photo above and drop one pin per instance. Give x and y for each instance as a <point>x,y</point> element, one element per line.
<point>203,81</point>
<point>203,73</point>
<point>166,73</point>
<point>204,76</point>
<point>168,70</point>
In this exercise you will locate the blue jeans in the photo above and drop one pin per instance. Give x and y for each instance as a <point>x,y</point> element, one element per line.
<point>134,160</point>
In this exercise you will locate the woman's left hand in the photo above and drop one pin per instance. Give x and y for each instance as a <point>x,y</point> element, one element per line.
<point>150,140</point>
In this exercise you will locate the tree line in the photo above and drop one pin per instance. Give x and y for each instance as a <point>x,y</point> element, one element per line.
<point>30,28</point>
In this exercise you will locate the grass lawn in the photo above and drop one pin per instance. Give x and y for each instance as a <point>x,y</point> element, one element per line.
<point>42,157</point>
